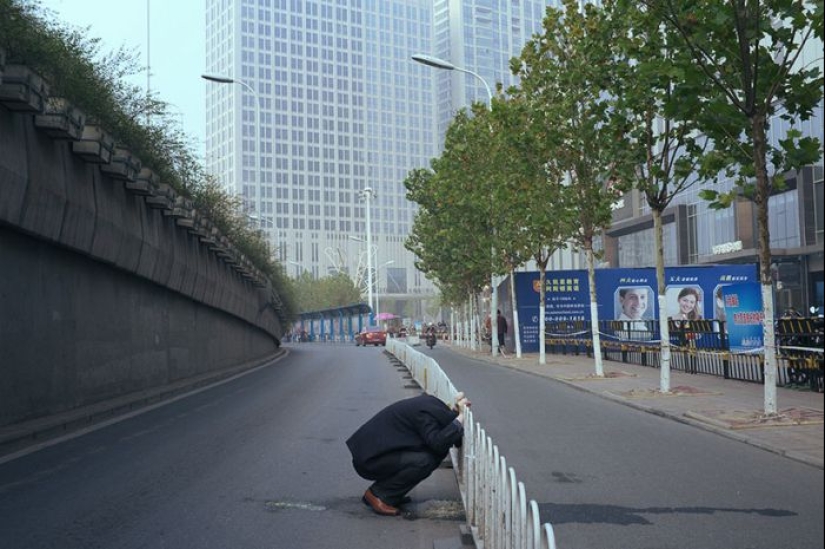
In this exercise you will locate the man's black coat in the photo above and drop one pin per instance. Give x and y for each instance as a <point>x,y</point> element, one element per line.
<point>422,423</point>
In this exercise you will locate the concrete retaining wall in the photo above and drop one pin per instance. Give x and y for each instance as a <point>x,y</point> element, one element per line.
<point>102,296</point>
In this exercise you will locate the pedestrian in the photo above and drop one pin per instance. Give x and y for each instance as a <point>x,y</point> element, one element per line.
<point>501,328</point>
<point>402,445</point>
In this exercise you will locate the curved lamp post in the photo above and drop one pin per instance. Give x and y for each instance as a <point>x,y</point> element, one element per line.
<point>367,193</point>
<point>437,63</point>
<point>227,80</point>
<point>386,263</point>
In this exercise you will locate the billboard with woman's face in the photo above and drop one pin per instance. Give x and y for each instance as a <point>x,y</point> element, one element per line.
<point>685,302</point>
<point>629,295</point>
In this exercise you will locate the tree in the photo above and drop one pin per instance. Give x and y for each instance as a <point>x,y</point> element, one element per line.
<point>336,290</point>
<point>563,73</point>
<point>752,73</point>
<point>452,226</point>
<point>539,219</point>
<point>660,130</point>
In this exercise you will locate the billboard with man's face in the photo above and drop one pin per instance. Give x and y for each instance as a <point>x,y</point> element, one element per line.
<point>627,295</point>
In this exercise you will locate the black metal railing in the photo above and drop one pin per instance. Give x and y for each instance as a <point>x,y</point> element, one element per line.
<point>699,346</point>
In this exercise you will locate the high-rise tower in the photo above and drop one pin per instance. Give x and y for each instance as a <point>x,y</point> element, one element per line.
<point>326,102</point>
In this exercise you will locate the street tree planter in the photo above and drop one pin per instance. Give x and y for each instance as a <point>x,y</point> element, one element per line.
<point>95,145</point>
<point>23,90</point>
<point>143,184</point>
<point>124,166</point>
<point>161,197</point>
<point>60,119</point>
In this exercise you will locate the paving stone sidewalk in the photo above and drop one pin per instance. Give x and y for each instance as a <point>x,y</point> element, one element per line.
<point>731,408</point>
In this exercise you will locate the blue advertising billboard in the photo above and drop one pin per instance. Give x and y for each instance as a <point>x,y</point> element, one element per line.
<point>567,299</point>
<point>627,294</point>
<point>745,317</point>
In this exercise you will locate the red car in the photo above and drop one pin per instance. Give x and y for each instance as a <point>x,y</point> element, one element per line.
<point>371,336</point>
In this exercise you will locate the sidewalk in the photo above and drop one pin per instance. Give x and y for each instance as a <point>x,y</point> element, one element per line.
<point>734,409</point>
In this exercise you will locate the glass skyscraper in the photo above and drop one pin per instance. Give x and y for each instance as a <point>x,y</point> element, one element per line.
<point>326,102</point>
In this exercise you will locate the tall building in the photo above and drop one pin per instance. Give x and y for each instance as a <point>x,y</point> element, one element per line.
<point>327,102</point>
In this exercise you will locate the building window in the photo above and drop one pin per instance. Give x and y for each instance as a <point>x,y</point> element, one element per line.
<point>783,221</point>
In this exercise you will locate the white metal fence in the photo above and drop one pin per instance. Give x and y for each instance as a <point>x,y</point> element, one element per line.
<point>498,512</point>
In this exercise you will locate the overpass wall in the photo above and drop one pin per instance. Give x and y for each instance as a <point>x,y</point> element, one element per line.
<point>102,296</point>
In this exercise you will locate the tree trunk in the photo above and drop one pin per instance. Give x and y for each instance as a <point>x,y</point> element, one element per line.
<point>664,374</point>
<point>594,308</point>
<point>451,328</point>
<point>514,301</point>
<point>542,316</point>
<point>762,194</point>
<point>494,342</point>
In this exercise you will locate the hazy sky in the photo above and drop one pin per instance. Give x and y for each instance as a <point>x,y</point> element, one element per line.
<point>176,40</point>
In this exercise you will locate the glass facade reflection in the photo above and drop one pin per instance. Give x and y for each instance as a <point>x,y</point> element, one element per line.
<point>327,102</point>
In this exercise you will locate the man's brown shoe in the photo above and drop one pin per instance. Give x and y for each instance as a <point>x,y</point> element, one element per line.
<point>379,506</point>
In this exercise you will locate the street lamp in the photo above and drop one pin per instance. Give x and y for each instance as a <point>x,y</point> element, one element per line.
<point>367,193</point>
<point>227,80</point>
<point>259,220</point>
<point>390,262</point>
<point>437,63</point>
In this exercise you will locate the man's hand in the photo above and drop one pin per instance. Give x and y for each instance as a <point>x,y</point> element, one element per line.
<point>461,402</point>
<point>460,418</point>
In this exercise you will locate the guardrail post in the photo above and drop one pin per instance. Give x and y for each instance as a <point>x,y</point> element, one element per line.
<point>520,518</point>
<point>495,502</point>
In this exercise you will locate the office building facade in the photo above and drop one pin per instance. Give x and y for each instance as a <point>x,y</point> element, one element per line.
<point>327,102</point>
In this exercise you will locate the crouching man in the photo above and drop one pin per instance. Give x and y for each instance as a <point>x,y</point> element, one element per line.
<point>402,445</point>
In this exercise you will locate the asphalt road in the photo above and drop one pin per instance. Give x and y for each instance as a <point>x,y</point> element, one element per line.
<point>256,462</point>
<point>608,476</point>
